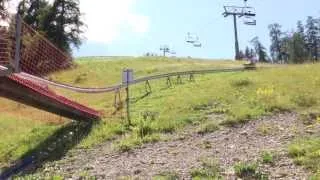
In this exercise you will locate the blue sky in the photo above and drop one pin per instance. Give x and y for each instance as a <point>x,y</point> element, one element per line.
<point>134,27</point>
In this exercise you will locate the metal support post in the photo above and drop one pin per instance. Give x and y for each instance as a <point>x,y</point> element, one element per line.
<point>117,100</point>
<point>169,84</point>
<point>237,51</point>
<point>179,80</point>
<point>191,78</point>
<point>148,87</point>
<point>17,57</point>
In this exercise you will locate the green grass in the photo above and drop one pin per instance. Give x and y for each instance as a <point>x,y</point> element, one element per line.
<point>306,152</point>
<point>249,171</point>
<point>241,96</point>
<point>268,157</point>
<point>210,170</point>
<point>208,127</point>
<point>19,135</point>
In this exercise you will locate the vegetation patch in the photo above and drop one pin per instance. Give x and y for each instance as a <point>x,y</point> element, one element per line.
<point>249,171</point>
<point>208,127</point>
<point>210,170</point>
<point>206,145</point>
<point>241,82</point>
<point>309,118</point>
<point>306,100</point>
<point>268,157</point>
<point>19,136</point>
<point>306,152</point>
<point>266,129</point>
<point>166,176</point>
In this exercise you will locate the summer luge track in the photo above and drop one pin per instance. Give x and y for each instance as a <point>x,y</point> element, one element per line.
<point>28,86</point>
<point>119,86</point>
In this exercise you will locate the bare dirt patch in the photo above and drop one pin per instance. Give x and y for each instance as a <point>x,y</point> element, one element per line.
<point>184,152</point>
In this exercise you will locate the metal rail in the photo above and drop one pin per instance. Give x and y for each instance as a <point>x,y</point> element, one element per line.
<point>120,86</point>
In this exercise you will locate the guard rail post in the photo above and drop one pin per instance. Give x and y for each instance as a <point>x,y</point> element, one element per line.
<point>127,78</point>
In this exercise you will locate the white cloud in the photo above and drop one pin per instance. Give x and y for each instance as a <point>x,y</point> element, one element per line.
<point>105,18</point>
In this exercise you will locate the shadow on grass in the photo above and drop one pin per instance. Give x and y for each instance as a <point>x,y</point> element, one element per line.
<point>53,148</point>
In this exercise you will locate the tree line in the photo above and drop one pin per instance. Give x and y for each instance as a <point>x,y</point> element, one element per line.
<point>296,46</point>
<point>60,21</point>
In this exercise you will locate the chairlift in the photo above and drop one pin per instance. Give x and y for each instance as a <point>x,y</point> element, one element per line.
<point>249,11</point>
<point>250,21</point>
<point>191,38</point>
<point>197,44</point>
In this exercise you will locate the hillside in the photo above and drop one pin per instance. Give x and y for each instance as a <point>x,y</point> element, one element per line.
<point>212,102</point>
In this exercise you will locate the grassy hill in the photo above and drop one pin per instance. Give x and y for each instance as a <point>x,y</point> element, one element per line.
<point>240,96</point>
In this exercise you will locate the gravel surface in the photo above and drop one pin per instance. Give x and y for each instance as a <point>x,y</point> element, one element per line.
<point>185,150</point>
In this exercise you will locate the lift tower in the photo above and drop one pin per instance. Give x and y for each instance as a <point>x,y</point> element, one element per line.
<point>240,11</point>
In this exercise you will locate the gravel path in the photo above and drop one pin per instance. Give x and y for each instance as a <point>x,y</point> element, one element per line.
<point>183,153</point>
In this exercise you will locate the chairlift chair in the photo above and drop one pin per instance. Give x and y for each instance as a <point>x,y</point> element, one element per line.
<point>197,44</point>
<point>250,21</point>
<point>191,38</point>
<point>249,11</point>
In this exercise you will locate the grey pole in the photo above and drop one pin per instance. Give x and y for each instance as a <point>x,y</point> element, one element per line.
<point>128,98</point>
<point>16,63</point>
<point>237,56</point>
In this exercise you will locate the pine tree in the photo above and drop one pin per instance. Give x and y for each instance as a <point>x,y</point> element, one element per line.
<point>241,55</point>
<point>247,53</point>
<point>318,42</point>
<point>260,50</point>
<point>296,48</point>
<point>34,12</point>
<point>275,36</point>
<point>63,24</point>
<point>300,37</point>
<point>312,37</point>
<point>252,53</point>
<point>300,28</point>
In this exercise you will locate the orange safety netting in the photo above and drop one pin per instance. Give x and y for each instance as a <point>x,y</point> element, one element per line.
<point>39,57</point>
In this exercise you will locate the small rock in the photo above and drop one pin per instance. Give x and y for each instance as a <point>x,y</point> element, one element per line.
<point>236,159</point>
<point>101,176</point>
<point>137,171</point>
<point>309,131</point>
<point>244,133</point>
<point>282,174</point>
<point>89,167</point>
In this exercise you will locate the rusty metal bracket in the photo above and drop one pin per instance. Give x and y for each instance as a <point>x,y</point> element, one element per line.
<point>179,79</point>
<point>169,84</point>
<point>148,87</point>
<point>191,78</point>
<point>117,100</point>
